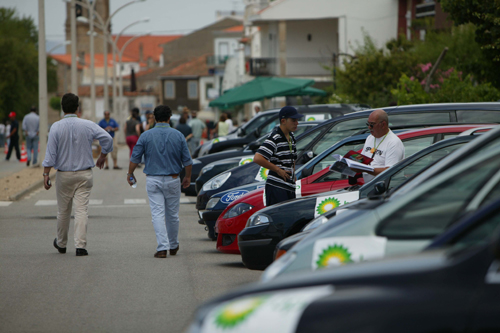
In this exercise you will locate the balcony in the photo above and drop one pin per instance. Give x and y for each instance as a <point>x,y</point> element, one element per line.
<point>306,66</point>
<point>217,60</point>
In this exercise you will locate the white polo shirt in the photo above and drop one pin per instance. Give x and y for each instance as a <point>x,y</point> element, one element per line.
<point>388,152</point>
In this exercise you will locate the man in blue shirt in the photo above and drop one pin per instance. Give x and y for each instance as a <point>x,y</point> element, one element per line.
<point>111,126</point>
<point>166,153</point>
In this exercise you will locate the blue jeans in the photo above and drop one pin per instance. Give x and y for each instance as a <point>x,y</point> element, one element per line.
<point>164,193</point>
<point>32,143</point>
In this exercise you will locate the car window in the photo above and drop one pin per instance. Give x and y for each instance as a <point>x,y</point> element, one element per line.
<point>269,127</point>
<point>480,234</point>
<point>315,115</point>
<point>414,145</point>
<point>418,118</point>
<point>423,162</point>
<point>339,132</point>
<point>476,116</point>
<point>432,212</point>
<point>301,129</point>
<point>253,125</point>
<point>306,140</point>
<point>329,160</point>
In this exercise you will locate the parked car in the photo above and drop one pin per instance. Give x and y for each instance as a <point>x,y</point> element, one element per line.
<point>321,137</point>
<point>258,244</point>
<point>453,289</point>
<point>265,121</point>
<point>403,223</point>
<point>322,179</point>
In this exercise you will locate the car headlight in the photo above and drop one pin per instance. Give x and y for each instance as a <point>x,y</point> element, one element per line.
<point>320,220</point>
<point>238,210</point>
<point>216,182</point>
<point>212,202</point>
<point>206,169</point>
<point>196,161</point>
<point>258,219</point>
<point>278,266</point>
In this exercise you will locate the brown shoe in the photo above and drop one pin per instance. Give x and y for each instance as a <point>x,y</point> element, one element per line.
<point>161,254</point>
<point>173,252</point>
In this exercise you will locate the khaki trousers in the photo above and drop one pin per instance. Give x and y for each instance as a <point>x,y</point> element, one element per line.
<point>73,186</point>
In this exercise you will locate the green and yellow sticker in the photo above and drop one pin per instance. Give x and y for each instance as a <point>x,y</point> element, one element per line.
<point>334,255</point>
<point>327,205</point>
<point>246,160</point>
<point>262,174</point>
<point>237,312</point>
<point>311,119</point>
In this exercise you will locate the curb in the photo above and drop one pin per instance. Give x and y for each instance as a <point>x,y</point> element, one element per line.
<point>30,188</point>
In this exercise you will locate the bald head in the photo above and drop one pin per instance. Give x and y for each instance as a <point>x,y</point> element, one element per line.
<point>378,123</point>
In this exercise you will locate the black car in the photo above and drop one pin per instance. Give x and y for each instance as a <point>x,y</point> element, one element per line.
<point>290,217</point>
<point>453,289</point>
<point>265,121</point>
<point>323,136</point>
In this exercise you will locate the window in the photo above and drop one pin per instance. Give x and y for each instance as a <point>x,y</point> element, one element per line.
<point>193,89</point>
<point>208,86</point>
<point>415,145</point>
<point>432,212</point>
<point>418,118</point>
<point>423,162</point>
<point>339,132</point>
<point>475,116</point>
<point>269,127</point>
<point>329,160</point>
<point>256,122</point>
<point>449,135</point>
<point>306,140</point>
<point>169,87</point>
<point>300,130</point>
<point>480,234</point>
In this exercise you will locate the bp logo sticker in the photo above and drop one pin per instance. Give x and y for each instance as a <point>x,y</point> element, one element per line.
<point>246,160</point>
<point>334,256</point>
<point>237,312</point>
<point>216,140</point>
<point>326,205</point>
<point>311,119</point>
<point>262,174</point>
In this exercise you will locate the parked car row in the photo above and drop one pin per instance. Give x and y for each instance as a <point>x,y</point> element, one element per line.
<point>419,241</point>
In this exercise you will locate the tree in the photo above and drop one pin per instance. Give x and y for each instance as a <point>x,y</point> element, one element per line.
<point>19,64</point>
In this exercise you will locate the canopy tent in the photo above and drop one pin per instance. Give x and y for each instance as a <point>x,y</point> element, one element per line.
<point>307,91</point>
<point>260,88</point>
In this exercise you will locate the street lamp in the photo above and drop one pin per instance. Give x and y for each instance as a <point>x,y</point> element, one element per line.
<point>66,42</point>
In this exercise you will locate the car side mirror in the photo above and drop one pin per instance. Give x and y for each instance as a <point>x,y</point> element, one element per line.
<point>308,155</point>
<point>241,132</point>
<point>380,188</point>
<point>254,145</point>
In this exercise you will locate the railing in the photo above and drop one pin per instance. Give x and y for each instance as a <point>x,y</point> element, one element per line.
<point>317,66</point>
<point>217,60</point>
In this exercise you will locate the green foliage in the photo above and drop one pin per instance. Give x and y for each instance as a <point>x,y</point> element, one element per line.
<point>485,15</point>
<point>55,103</point>
<point>19,64</point>
<point>452,89</point>
<point>372,74</point>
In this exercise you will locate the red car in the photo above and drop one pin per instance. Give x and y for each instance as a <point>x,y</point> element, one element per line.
<point>316,177</point>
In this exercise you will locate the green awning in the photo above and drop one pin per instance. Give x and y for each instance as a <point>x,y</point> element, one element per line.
<point>259,89</point>
<point>307,91</point>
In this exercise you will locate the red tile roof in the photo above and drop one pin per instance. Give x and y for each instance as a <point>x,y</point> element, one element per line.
<point>65,59</point>
<point>150,46</point>
<point>98,60</point>
<point>194,67</point>
<point>237,28</point>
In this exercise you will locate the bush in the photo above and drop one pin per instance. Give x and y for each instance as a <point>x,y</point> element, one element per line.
<point>55,103</point>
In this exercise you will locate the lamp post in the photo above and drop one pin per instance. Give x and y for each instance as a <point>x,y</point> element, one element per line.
<point>66,42</point>
<point>42,80</point>
<point>74,72</point>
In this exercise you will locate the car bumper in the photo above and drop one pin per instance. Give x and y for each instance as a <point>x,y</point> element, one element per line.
<point>201,201</point>
<point>257,247</point>
<point>227,230</point>
<point>209,217</point>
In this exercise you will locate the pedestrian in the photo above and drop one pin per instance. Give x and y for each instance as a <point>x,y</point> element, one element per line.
<point>132,130</point>
<point>222,128</point>
<point>31,124</point>
<point>229,122</point>
<point>69,150</point>
<point>184,128</point>
<point>166,153</point>
<point>278,154</point>
<point>13,137</point>
<point>383,146</point>
<point>210,129</point>
<point>197,128</point>
<point>111,126</point>
<point>256,109</point>
<point>2,135</point>
<point>149,123</point>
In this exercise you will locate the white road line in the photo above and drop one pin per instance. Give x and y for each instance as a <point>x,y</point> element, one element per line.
<point>46,203</point>
<point>134,201</point>
<point>95,202</point>
<point>5,203</point>
<point>120,206</point>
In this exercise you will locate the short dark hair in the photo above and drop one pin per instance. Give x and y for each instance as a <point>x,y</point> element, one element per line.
<point>182,120</point>
<point>69,103</point>
<point>162,113</point>
<point>135,112</point>
<point>33,108</point>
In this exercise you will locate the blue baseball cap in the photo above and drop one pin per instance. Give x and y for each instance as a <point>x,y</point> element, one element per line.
<point>290,112</point>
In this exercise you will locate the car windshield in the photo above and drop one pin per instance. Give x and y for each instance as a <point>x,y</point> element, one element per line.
<point>339,132</point>
<point>480,234</point>
<point>257,122</point>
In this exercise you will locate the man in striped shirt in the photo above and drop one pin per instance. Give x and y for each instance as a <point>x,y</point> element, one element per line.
<point>278,154</point>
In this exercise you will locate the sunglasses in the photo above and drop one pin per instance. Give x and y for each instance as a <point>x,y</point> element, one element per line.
<point>371,124</point>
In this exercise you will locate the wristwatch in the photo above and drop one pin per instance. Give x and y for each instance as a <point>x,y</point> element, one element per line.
<point>45,174</point>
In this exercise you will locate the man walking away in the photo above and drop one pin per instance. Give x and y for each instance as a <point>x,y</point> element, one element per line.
<point>278,154</point>
<point>166,153</point>
<point>197,128</point>
<point>110,126</point>
<point>2,135</point>
<point>31,123</point>
<point>69,150</point>
<point>13,136</point>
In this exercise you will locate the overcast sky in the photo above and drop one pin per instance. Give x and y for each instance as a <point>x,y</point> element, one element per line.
<point>166,16</point>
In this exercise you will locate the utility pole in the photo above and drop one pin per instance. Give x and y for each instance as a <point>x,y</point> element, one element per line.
<point>74,72</point>
<point>92,66</point>
<point>42,80</point>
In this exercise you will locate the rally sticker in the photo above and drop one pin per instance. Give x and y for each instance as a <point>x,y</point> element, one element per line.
<point>313,117</point>
<point>219,139</point>
<point>326,203</point>
<point>246,160</point>
<point>262,174</point>
<point>280,311</point>
<point>298,188</point>
<point>232,196</point>
<point>336,251</point>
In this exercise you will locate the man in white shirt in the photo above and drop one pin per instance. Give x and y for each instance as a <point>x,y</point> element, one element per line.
<point>383,146</point>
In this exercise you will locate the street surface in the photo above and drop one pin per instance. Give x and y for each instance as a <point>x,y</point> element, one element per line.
<point>120,286</point>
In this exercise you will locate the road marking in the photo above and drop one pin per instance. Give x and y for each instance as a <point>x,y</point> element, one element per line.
<point>5,203</point>
<point>46,203</point>
<point>120,206</point>
<point>95,202</point>
<point>186,200</point>
<point>134,201</point>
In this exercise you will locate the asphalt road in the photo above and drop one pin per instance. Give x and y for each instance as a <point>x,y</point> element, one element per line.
<point>120,286</point>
